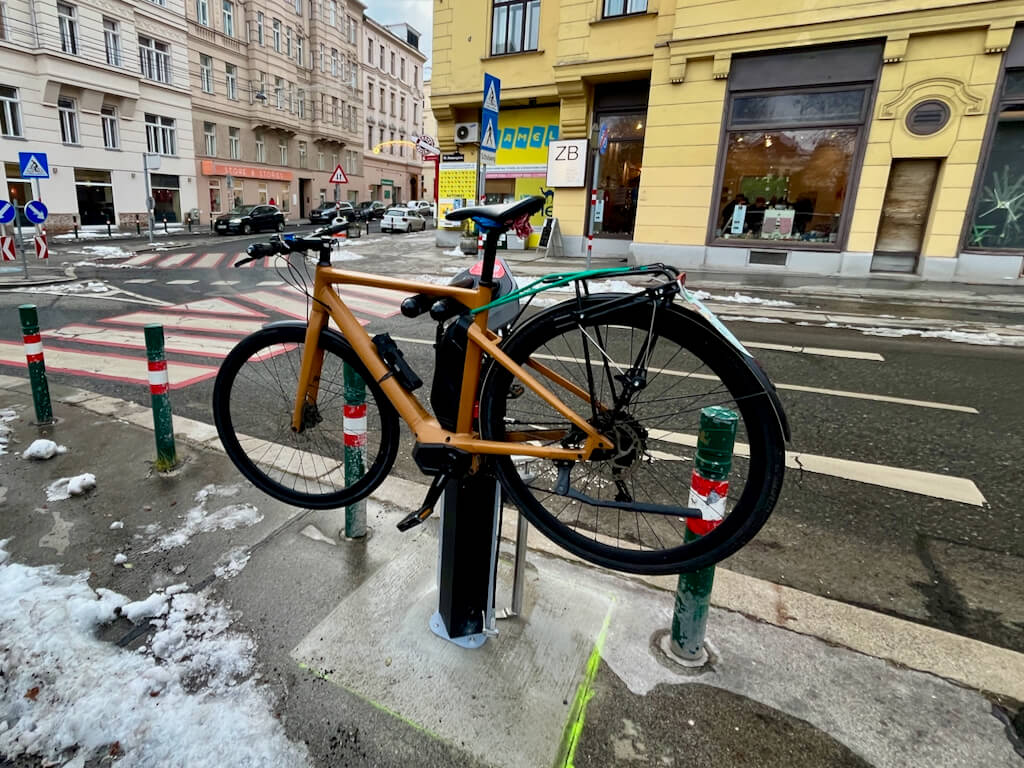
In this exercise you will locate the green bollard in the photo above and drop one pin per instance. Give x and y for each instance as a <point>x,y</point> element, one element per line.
<point>36,366</point>
<point>163,428</point>
<point>355,448</point>
<point>709,488</point>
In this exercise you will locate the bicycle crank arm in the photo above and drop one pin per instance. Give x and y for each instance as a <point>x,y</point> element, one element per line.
<point>427,508</point>
<point>562,489</point>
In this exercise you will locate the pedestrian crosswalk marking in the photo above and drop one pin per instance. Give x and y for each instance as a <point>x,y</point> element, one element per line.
<point>132,369</point>
<point>142,259</point>
<point>225,282</point>
<point>207,261</point>
<point>142,280</point>
<point>293,306</point>
<point>187,322</point>
<point>267,283</point>
<point>181,282</point>
<point>217,306</point>
<point>177,260</point>
<point>179,343</point>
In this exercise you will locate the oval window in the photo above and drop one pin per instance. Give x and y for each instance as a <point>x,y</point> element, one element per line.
<point>928,117</point>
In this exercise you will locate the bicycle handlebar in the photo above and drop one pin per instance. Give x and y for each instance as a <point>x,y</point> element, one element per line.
<point>278,245</point>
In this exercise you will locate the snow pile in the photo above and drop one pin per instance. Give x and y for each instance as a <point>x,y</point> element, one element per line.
<point>104,264</point>
<point>66,487</point>
<point>92,286</point>
<point>187,700</point>
<point>741,298</point>
<point>106,252</point>
<point>116,524</point>
<point>742,319</point>
<point>120,558</point>
<point>456,251</point>
<point>7,415</point>
<point>231,563</point>
<point>84,234</point>
<point>986,339</point>
<point>199,520</point>
<point>43,449</point>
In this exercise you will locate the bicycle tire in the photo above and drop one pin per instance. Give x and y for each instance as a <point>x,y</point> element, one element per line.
<point>302,469</point>
<point>757,484</point>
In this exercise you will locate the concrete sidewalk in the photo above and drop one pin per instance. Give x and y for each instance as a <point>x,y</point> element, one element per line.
<point>581,678</point>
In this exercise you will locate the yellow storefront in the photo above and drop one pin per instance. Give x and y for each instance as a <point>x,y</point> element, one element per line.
<point>821,138</point>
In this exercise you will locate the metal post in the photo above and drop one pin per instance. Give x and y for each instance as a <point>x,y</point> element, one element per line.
<point>188,220</point>
<point>355,448</point>
<point>108,228</point>
<point>709,489</point>
<point>165,224</point>
<point>149,196</point>
<point>138,226</point>
<point>36,366</point>
<point>163,427</point>
<point>74,224</point>
<point>21,237</point>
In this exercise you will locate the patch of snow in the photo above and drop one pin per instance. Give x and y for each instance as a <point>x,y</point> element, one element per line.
<point>43,449</point>
<point>92,286</point>
<point>199,520</point>
<point>116,525</point>
<point>107,251</point>
<point>231,563</point>
<point>740,298</point>
<point>66,487</point>
<point>188,698</point>
<point>102,264</point>
<point>986,339</point>
<point>84,234</point>
<point>456,251</point>
<point>120,558</point>
<point>7,415</point>
<point>153,606</point>
<point>742,319</point>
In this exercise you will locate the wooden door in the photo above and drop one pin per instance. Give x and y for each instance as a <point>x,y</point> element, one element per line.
<point>908,199</point>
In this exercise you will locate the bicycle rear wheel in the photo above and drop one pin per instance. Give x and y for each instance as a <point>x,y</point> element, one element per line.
<point>686,368</point>
<point>253,399</point>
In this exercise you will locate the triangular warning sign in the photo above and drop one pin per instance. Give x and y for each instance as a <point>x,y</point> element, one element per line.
<point>491,100</point>
<point>489,141</point>
<point>34,168</point>
<point>339,177</point>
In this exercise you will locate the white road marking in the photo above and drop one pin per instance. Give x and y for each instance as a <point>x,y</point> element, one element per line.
<point>207,346</point>
<point>207,261</point>
<point>142,259</point>
<point>286,304</point>
<point>910,480</point>
<point>219,306</point>
<point>225,282</point>
<point>177,260</point>
<point>104,365</point>
<point>185,322</point>
<point>822,351</point>
<point>142,280</point>
<point>268,283</point>
<point>181,282</point>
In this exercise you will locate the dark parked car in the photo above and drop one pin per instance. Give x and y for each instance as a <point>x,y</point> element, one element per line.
<point>370,210</point>
<point>325,213</point>
<point>250,218</point>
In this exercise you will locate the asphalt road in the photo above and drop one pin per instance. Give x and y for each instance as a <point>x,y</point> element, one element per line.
<point>945,563</point>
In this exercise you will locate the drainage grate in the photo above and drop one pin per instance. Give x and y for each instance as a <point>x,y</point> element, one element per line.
<point>772,258</point>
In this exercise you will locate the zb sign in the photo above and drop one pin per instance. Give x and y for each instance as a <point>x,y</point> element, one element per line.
<point>567,163</point>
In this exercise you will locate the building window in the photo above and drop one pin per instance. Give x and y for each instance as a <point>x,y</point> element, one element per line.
<point>279,92</point>
<point>391,143</point>
<point>303,159</point>
<point>261,153</point>
<point>210,138</point>
<point>320,161</point>
<point>369,51</point>
<point>235,143</point>
<point>108,119</point>
<point>228,17</point>
<point>10,111</point>
<point>788,162</point>
<point>334,159</point>
<point>369,94</point>
<point>300,106</point>
<point>332,11</point>
<point>154,59</point>
<point>382,104</point>
<point>381,60</point>
<point>352,31</point>
<point>231,80</point>
<point>300,51</point>
<point>624,7</point>
<point>415,75</point>
<point>401,113</point>
<point>288,42</point>
<point>67,113</point>
<point>160,135</point>
<point>334,61</point>
<point>298,7</point>
<point>369,137</point>
<point>215,204</point>
<point>263,88</point>
<point>291,98</point>
<point>282,149</point>
<point>392,62</point>
<point>277,35</point>
<point>112,42</point>
<point>998,217</point>
<point>515,26</point>
<point>67,21</point>
<point>206,73</point>
<point>392,103</point>
<point>203,12</point>
<point>353,69</point>
<point>286,198</point>
<point>259,27</point>
<point>401,70</point>
<point>3,22</point>
<point>334,109</point>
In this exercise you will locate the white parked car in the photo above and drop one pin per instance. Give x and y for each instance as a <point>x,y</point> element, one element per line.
<point>402,220</point>
<point>425,207</point>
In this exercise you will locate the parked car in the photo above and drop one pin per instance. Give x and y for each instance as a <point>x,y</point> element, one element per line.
<point>423,206</point>
<point>402,220</point>
<point>250,218</point>
<point>325,213</point>
<point>369,210</point>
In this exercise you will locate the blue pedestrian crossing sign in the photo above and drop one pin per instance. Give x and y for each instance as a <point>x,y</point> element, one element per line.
<point>34,165</point>
<point>7,212</point>
<point>489,133</point>
<point>36,212</point>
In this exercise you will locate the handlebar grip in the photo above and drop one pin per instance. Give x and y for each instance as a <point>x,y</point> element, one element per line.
<point>414,306</point>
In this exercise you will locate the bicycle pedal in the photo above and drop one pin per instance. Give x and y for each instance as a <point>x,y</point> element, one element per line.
<point>427,508</point>
<point>414,518</point>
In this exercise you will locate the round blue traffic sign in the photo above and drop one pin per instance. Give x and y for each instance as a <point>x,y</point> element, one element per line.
<point>7,212</point>
<point>36,212</point>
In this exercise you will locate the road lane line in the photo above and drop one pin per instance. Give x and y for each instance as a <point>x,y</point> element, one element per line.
<point>820,351</point>
<point>181,282</point>
<point>225,282</point>
<point>142,280</point>
<point>104,365</point>
<point>778,385</point>
<point>206,346</point>
<point>946,487</point>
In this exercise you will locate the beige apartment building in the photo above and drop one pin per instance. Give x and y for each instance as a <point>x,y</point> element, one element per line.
<point>393,98</point>
<point>276,102</point>
<point>94,85</point>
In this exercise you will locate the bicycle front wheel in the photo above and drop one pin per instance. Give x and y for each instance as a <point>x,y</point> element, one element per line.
<point>648,374</point>
<point>253,400</point>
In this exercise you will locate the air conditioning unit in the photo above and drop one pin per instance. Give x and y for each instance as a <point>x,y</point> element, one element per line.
<point>467,133</point>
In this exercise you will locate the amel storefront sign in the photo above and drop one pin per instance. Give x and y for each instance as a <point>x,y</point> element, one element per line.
<point>211,168</point>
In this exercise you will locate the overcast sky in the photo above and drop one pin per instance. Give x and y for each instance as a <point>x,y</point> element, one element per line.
<point>418,13</point>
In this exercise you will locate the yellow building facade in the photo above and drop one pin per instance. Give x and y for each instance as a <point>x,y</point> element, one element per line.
<point>810,136</point>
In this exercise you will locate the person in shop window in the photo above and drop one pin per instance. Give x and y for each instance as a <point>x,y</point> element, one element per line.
<point>272,201</point>
<point>755,216</point>
<point>730,207</point>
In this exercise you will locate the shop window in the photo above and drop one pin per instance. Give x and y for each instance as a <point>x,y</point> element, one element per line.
<point>997,221</point>
<point>515,26</point>
<point>215,200</point>
<point>789,158</point>
<point>166,197</point>
<point>95,196</point>
<point>617,165</point>
<point>624,7</point>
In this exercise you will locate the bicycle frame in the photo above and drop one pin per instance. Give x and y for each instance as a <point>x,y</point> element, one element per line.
<point>327,304</point>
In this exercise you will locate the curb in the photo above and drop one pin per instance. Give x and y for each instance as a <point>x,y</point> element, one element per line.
<point>961,660</point>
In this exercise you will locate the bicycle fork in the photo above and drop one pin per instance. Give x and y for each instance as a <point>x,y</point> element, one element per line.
<point>305,413</point>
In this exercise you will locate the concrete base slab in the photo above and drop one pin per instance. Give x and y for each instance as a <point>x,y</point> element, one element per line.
<point>508,701</point>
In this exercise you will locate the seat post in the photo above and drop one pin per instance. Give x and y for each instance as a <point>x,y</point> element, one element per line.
<point>490,254</point>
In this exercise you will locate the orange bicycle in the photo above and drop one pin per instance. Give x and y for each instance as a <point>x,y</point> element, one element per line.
<point>600,396</point>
